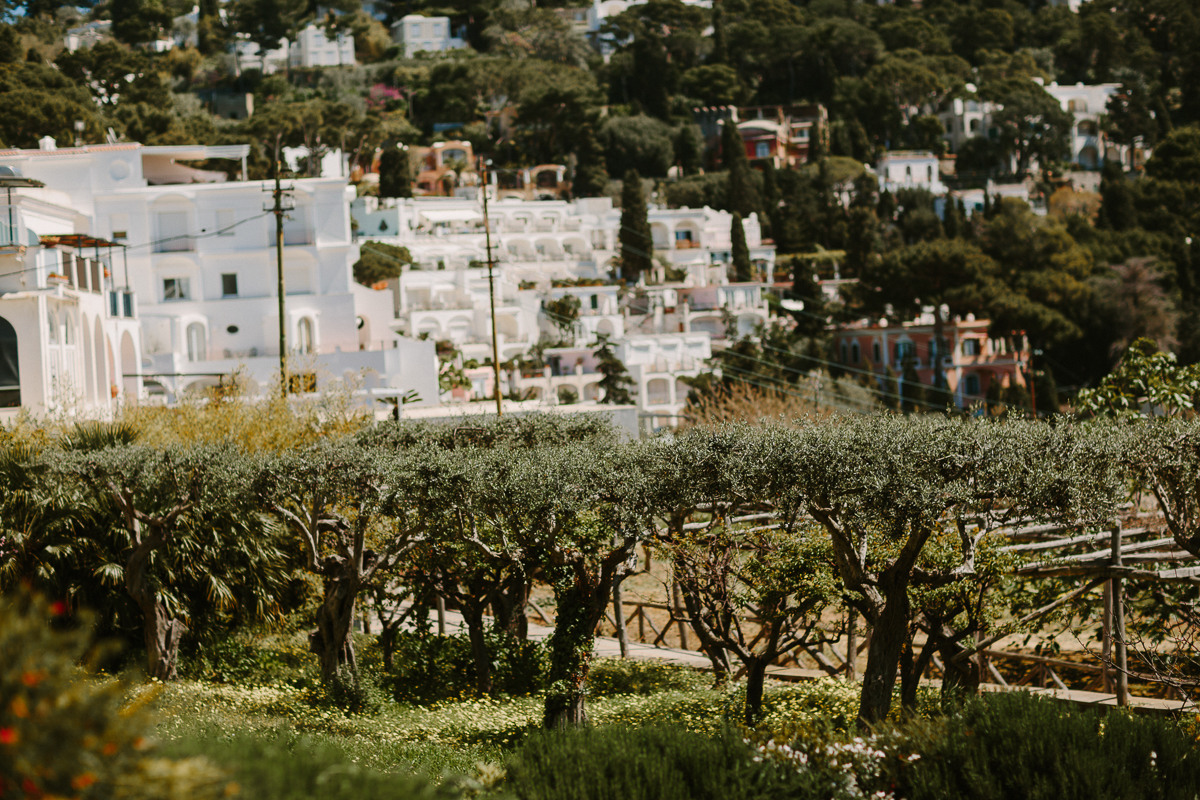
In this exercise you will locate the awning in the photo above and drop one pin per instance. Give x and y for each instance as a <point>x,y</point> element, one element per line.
<point>77,240</point>
<point>450,215</point>
<point>199,152</point>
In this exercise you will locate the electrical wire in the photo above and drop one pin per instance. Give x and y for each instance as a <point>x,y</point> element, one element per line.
<point>127,248</point>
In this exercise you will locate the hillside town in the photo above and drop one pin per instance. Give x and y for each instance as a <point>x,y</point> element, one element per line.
<point>638,399</point>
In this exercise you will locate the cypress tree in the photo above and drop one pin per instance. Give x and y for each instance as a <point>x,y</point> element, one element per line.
<point>689,149</point>
<point>739,193</point>
<point>952,222</point>
<point>912,393</point>
<point>1047,391</point>
<point>395,178</point>
<point>720,51</point>
<point>889,390</point>
<point>994,397</point>
<point>1117,209</point>
<point>591,175</point>
<point>637,243</point>
<point>743,269</point>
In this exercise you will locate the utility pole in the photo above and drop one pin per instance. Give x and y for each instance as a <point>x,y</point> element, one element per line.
<point>487,234</point>
<point>278,210</point>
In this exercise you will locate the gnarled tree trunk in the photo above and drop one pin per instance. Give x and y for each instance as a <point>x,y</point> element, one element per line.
<point>333,642</point>
<point>473,618</point>
<point>580,607</point>
<point>889,636</point>
<point>162,633</point>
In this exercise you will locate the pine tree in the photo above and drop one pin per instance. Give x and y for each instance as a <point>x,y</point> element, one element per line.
<point>739,194</point>
<point>591,176</point>
<point>743,269</point>
<point>395,178</point>
<point>1117,209</point>
<point>616,381</point>
<point>637,243</point>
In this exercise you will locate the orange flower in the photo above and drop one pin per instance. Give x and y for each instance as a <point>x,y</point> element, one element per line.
<point>19,707</point>
<point>9,736</point>
<point>110,748</point>
<point>32,679</point>
<point>83,781</point>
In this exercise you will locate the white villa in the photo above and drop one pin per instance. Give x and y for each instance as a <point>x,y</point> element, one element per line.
<point>188,285</point>
<point>548,249</point>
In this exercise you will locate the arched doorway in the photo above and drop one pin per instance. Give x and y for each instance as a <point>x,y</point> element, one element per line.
<point>10,370</point>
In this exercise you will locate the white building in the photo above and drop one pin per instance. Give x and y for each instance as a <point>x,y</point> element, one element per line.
<point>198,254</point>
<point>418,34</point>
<point>910,169</point>
<point>546,250</point>
<point>1090,147</point>
<point>965,118</point>
<point>69,337</point>
<point>313,48</point>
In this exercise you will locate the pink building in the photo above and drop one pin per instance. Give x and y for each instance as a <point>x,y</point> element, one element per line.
<point>971,357</point>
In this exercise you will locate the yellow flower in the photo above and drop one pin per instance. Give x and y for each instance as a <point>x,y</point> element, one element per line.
<point>19,707</point>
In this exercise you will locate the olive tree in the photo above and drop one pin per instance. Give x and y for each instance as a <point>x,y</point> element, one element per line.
<point>170,504</point>
<point>356,511</point>
<point>565,510</point>
<point>881,487</point>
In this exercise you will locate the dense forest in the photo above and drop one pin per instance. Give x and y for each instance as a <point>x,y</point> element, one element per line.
<point>1084,280</point>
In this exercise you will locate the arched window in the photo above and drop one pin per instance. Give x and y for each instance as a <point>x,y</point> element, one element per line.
<point>304,338</point>
<point>197,348</point>
<point>52,326</point>
<point>854,353</point>
<point>10,372</point>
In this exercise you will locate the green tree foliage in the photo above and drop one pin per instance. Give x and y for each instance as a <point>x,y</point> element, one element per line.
<point>743,269</point>
<point>639,143</point>
<point>1145,380</point>
<point>740,196</point>
<point>395,173</point>
<point>564,313</point>
<point>615,383</point>
<point>1031,123</point>
<point>636,240</point>
<point>591,175</point>
<point>379,261</point>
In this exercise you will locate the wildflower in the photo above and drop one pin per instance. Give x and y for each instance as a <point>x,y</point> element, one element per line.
<point>9,736</point>
<point>110,748</point>
<point>19,707</point>
<point>32,679</point>
<point>58,608</point>
<point>83,781</point>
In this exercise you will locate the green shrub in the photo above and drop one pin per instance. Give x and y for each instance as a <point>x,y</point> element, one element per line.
<point>1019,745</point>
<point>615,676</point>
<point>361,696</point>
<point>69,734</point>
<point>429,669</point>
<point>655,763</point>
<point>282,766</point>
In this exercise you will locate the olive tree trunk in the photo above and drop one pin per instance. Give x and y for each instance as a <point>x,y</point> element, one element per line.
<point>161,631</point>
<point>889,636</point>
<point>473,618</point>
<point>580,608</point>
<point>333,642</point>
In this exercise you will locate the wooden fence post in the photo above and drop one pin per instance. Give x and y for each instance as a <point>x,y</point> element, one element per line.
<point>441,614</point>
<point>851,645</point>
<point>619,618</point>
<point>1106,684</point>
<point>1118,601</point>
<point>679,614</point>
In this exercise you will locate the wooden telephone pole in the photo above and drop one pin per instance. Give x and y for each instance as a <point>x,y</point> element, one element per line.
<point>278,209</point>
<point>487,234</point>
